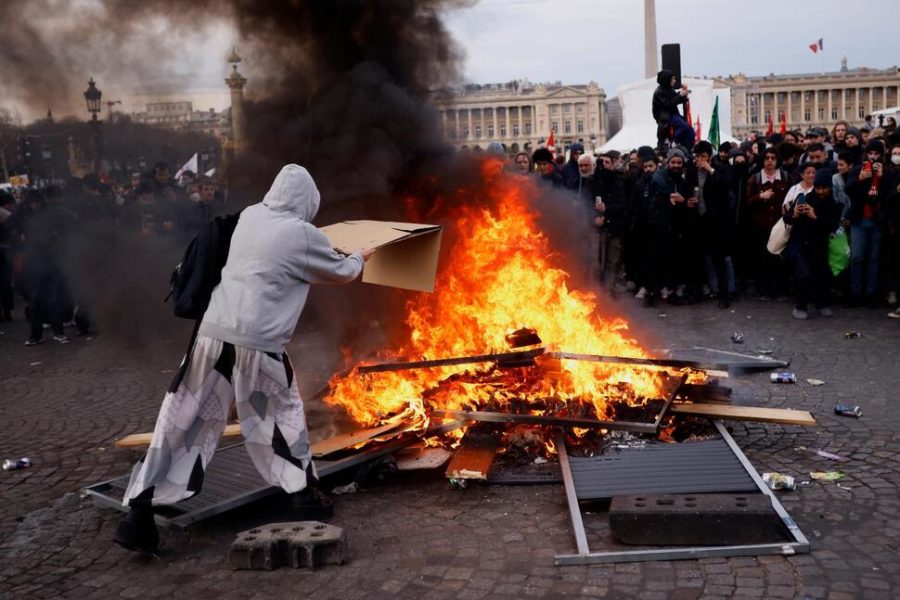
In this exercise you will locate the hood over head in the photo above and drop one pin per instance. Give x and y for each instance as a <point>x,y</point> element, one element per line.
<point>664,78</point>
<point>293,191</point>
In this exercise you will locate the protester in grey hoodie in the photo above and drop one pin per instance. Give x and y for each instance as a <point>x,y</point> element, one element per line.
<point>258,307</point>
<point>238,354</point>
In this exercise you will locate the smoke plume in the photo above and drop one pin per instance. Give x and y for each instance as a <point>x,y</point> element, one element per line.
<point>340,86</point>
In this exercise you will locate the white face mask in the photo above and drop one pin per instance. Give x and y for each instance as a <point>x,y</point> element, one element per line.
<point>195,197</point>
<point>895,159</point>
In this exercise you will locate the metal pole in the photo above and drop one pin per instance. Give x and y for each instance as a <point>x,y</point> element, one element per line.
<point>571,498</point>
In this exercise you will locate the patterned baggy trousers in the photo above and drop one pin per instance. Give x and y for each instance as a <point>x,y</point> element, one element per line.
<point>194,413</point>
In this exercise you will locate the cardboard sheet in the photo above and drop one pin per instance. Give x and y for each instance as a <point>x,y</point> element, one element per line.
<point>407,253</point>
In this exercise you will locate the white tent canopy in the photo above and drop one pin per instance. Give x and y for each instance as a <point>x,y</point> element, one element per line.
<point>638,126</point>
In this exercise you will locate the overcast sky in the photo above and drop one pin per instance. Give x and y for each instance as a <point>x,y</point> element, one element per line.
<point>576,41</point>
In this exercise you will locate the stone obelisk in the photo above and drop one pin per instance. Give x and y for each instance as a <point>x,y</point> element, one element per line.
<point>651,52</point>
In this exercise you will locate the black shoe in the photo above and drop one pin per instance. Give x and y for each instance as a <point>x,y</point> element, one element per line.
<point>5,316</point>
<point>137,531</point>
<point>724,302</point>
<point>650,300</point>
<point>872,302</point>
<point>312,504</point>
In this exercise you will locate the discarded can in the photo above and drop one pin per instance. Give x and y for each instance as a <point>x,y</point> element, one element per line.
<point>852,335</point>
<point>784,377</point>
<point>848,410</point>
<point>737,338</point>
<point>11,464</point>
<point>777,481</point>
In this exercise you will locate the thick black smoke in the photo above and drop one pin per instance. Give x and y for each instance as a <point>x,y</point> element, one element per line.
<point>340,86</point>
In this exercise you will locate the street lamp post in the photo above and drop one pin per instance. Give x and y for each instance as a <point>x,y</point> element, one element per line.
<point>92,97</point>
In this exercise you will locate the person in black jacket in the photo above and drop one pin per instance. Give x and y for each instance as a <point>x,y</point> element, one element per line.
<point>545,169</point>
<point>637,245</point>
<point>813,218</point>
<point>7,209</point>
<point>43,230</point>
<point>717,218</point>
<point>665,111</point>
<point>569,171</point>
<point>867,216</point>
<point>669,193</point>
<point>610,220</point>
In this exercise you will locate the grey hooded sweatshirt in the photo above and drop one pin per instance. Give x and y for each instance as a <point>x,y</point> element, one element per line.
<point>275,254</point>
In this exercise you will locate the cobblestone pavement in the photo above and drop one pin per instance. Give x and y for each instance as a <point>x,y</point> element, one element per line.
<point>412,536</point>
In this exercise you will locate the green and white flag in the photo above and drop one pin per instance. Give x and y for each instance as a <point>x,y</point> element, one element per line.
<point>714,126</point>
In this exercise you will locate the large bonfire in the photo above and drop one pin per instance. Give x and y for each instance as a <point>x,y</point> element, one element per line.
<point>502,275</point>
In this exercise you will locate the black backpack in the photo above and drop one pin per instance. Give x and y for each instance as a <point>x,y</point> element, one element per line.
<point>200,271</point>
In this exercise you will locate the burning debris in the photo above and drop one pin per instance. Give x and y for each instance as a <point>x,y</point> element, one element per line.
<point>502,298</point>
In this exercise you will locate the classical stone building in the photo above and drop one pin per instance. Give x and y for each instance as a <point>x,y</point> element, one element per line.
<point>810,100</point>
<point>521,115</point>
<point>180,116</point>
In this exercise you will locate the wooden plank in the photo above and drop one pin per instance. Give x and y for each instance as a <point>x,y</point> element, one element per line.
<point>347,440</point>
<point>669,400</point>
<point>458,360</point>
<point>746,413</point>
<point>319,449</point>
<point>136,440</point>
<point>644,362</point>
<point>475,455</point>
<point>421,458</point>
<point>500,417</point>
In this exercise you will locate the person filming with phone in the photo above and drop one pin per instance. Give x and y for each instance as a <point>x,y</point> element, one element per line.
<point>813,215</point>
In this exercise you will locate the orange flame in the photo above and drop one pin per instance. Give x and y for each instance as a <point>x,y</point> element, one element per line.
<point>499,275</point>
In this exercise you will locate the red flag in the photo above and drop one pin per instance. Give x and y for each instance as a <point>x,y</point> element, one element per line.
<point>551,144</point>
<point>698,129</point>
<point>814,47</point>
<point>687,112</point>
<point>771,128</point>
<point>783,129</point>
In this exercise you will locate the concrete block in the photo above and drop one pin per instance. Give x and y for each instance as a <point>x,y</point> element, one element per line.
<point>301,544</point>
<point>695,519</point>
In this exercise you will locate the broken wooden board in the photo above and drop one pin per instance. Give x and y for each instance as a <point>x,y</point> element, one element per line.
<point>350,439</point>
<point>501,417</point>
<point>458,360</point>
<point>421,458</point>
<point>136,440</point>
<point>642,362</point>
<point>475,455</point>
<point>319,449</point>
<point>784,416</point>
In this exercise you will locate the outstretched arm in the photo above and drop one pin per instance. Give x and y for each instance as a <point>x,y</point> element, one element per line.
<point>323,264</point>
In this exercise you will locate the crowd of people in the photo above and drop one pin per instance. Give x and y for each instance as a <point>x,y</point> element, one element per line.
<point>678,223</point>
<point>685,222</point>
<point>41,229</point>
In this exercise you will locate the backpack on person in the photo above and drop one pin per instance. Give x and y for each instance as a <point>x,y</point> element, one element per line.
<point>200,270</point>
